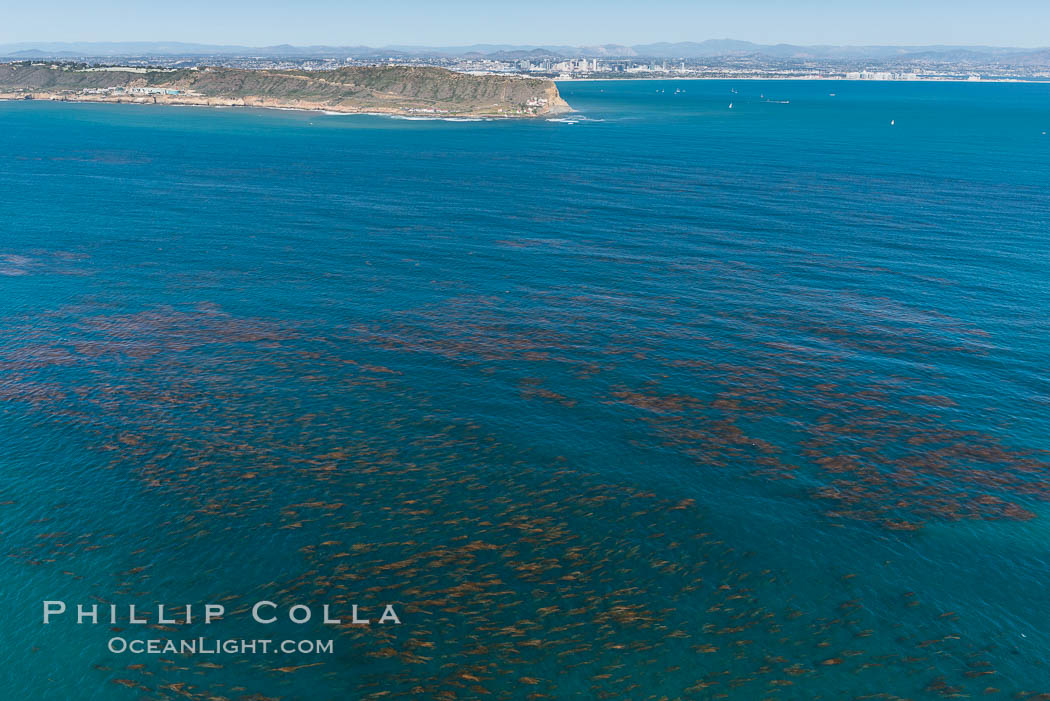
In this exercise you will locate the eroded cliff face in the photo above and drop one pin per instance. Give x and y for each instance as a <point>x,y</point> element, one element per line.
<point>381,89</point>
<point>557,105</point>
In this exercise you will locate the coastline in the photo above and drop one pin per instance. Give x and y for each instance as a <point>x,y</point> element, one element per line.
<point>404,91</point>
<point>266,103</point>
<point>799,79</point>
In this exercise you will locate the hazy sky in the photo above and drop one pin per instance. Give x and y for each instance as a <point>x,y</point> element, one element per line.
<point>432,22</point>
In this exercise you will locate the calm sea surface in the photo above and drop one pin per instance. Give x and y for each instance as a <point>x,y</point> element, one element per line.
<point>674,401</point>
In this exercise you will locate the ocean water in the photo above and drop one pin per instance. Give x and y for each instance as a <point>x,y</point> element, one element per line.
<point>673,401</point>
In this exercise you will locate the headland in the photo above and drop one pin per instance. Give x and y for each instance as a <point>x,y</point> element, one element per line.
<point>394,90</point>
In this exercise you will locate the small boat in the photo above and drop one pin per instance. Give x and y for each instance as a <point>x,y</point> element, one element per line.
<point>731,107</point>
<point>893,122</point>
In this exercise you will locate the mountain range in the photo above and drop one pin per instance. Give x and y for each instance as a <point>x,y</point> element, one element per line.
<point>680,50</point>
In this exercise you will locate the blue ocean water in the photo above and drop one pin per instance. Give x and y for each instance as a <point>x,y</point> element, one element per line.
<point>666,399</point>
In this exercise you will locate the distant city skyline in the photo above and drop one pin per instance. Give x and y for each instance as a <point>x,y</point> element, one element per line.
<point>1015,23</point>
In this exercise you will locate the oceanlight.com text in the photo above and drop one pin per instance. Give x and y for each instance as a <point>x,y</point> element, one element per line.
<point>216,646</point>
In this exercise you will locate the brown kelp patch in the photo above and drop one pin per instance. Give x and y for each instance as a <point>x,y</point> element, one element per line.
<point>517,575</point>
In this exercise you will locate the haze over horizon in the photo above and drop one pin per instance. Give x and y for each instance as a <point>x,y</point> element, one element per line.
<point>1014,23</point>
